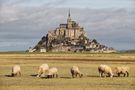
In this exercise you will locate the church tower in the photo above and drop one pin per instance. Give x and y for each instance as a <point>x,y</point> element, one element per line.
<point>69,16</point>
<point>69,20</point>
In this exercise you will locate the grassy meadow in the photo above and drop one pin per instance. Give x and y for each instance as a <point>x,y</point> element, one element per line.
<point>87,63</point>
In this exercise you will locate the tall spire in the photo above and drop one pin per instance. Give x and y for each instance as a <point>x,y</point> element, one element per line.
<point>69,16</point>
<point>69,13</point>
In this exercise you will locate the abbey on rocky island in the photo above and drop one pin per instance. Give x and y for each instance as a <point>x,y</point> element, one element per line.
<point>69,37</point>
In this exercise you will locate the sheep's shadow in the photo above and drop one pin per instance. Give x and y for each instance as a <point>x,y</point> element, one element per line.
<point>33,75</point>
<point>102,76</point>
<point>56,77</point>
<point>66,77</point>
<point>42,77</point>
<point>116,76</point>
<point>8,76</point>
<point>46,77</point>
<point>92,76</point>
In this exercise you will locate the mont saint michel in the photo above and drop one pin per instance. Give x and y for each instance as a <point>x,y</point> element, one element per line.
<point>69,37</point>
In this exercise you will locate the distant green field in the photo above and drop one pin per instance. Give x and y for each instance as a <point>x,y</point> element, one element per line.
<point>87,63</point>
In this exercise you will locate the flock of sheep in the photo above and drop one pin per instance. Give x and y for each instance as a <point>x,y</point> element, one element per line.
<point>104,71</point>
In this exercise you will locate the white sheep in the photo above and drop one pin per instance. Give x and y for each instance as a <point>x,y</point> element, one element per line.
<point>75,71</point>
<point>42,69</point>
<point>16,70</point>
<point>105,69</point>
<point>52,72</point>
<point>121,70</point>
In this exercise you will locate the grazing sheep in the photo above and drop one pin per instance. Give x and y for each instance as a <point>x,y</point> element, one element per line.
<point>42,69</point>
<point>121,70</point>
<point>16,70</point>
<point>105,69</point>
<point>75,71</point>
<point>52,72</point>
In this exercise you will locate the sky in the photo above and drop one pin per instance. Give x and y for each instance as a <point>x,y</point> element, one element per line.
<point>24,22</point>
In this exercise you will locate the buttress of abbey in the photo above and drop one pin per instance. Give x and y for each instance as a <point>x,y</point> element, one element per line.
<point>70,30</point>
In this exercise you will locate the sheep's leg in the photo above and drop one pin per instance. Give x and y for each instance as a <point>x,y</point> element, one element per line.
<point>56,75</point>
<point>15,74</point>
<point>118,74</point>
<point>12,74</point>
<point>50,76</point>
<point>72,75</point>
<point>124,75</point>
<point>127,74</point>
<point>40,71</point>
<point>75,74</point>
<point>111,75</point>
<point>43,73</point>
<point>102,74</point>
<point>19,73</point>
<point>39,74</point>
<point>80,75</point>
<point>53,75</point>
<point>108,75</point>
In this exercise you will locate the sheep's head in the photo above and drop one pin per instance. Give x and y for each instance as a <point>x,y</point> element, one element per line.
<point>81,75</point>
<point>38,75</point>
<point>111,75</point>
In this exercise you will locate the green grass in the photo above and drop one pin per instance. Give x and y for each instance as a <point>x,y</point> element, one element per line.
<point>91,81</point>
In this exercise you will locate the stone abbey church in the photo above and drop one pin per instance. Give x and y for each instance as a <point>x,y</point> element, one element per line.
<point>69,37</point>
<point>70,30</point>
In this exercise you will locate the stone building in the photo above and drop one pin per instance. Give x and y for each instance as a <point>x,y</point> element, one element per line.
<point>42,49</point>
<point>70,30</point>
<point>31,49</point>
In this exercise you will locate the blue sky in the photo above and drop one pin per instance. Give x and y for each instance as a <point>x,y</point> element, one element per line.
<point>24,22</point>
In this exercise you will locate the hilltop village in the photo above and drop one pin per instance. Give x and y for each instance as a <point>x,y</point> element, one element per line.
<point>69,37</point>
